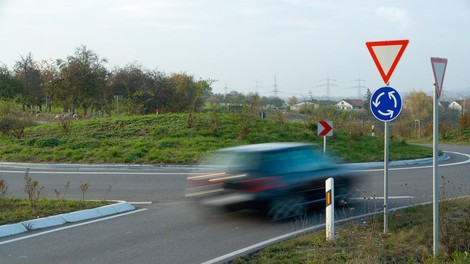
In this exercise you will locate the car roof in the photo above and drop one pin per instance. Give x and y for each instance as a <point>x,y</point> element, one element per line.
<point>265,147</point>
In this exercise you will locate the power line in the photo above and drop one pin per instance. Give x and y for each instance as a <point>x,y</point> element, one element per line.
<point>328,85</point>
<point>275,90</point>
<point>359,86</point>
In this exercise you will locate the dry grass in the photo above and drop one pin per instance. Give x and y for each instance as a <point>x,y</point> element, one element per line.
<point>363,241</point>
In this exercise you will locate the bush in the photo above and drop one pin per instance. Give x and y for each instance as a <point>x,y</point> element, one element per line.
<point>47,142</point>
<point>12,120</point>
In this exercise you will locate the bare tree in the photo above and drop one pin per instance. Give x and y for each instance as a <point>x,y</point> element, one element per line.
<point>28,73</point>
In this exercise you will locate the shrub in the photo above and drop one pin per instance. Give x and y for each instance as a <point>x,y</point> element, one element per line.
<point>13,121</point>
<point>47,142</point>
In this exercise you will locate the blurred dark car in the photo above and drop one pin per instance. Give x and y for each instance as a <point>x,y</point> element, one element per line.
<point>280,179</point>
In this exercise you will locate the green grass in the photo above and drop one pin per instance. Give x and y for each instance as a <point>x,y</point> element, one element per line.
<point>17,210</point>
<point>168,140</point>
<point>409,241</point>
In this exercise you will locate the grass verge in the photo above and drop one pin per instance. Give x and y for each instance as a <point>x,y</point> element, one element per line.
<point>363,241</point>
<point>167,139</point>
<point>17,210</point>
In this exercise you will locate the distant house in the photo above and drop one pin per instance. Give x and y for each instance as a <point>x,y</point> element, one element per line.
<point>458,105</point>
<point>299,106</point>
<point>350,104</point>
<point>444,105</point>
<point>312,104</point>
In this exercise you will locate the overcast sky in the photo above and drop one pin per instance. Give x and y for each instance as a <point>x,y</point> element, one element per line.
<point>245,44</point>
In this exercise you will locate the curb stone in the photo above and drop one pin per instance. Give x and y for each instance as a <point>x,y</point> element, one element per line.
<point>51,221</point>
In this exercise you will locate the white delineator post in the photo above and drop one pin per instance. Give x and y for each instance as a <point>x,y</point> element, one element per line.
<point>330,208</point>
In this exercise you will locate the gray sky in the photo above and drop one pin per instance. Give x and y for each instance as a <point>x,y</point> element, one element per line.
<point>244,44</point>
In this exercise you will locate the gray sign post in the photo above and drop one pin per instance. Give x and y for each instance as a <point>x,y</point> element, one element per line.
<point>439,66</point>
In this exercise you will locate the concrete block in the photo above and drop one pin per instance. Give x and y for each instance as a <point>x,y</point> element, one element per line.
<point>123,207</point>
<point>12,229</point>
<point>106,210</point>
<point>45,222</point>
<point>80,215</point>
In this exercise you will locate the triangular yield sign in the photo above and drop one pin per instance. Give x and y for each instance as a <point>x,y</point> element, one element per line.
<point>386,55</point>
<point>439,66</point>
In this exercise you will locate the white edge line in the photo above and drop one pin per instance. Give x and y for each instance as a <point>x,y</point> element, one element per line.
<point>263,244</point>
<point>70,226</point>
<point>99,172</point>
<point>427,166</point>
<point>140,203</point>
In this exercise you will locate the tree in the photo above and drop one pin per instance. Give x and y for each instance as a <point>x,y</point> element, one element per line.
<point>292,101</point>
<point>83,78</point>
<point>417,111</point>
<point>50,82</point>
<point>419,106</point>
<point>12,120</point>
<point>367,97</point>
<point>27,72</point>
<point>134,84</point>
<point>187,94</point>
<point>9,86</point>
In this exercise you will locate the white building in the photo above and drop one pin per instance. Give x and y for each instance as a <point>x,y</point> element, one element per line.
<point>458,105</point>
<point>350,104</point>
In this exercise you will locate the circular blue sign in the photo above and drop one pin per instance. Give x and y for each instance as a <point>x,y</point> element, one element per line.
<point>385,104</point>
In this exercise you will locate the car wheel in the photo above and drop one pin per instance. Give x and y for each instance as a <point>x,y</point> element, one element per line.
<point>286,207</point>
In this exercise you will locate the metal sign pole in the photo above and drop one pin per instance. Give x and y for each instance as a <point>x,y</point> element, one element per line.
<point>386,137</point>
<point>439,66</point>
<point>324,145</point>
<point>435,182</point>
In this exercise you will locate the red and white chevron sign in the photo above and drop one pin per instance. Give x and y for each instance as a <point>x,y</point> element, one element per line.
<point>325,128</point>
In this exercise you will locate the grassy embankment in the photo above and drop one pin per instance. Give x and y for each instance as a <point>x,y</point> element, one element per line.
<point>170,139</point>
<point>409,240</point>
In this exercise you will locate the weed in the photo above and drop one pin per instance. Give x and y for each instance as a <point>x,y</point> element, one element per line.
<point>108,190</point>
<point>65,126</point>
<point>32,189</point>
<point>280,119</point>
<point>66,187</point>
<point>215,120</point>
<point>84,186</point>
<point>3,189</point>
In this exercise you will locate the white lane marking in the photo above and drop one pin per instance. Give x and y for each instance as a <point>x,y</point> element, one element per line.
<point>198,173</point>
<point>99,172</point>
<point>140,203</point>
<point>427,166</point>
<point>70,226</point>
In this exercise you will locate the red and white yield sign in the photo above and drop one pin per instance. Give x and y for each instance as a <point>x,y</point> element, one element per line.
<point>325,128</point>
<point>386,55</point>
<point>439,66</point>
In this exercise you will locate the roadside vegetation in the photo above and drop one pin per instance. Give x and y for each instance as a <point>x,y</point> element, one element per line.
<point>362,241</point>
<point>36,205</point>
<point>169,139</point>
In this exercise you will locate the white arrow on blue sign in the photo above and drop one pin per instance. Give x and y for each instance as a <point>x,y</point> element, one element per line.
<point>385,104</point>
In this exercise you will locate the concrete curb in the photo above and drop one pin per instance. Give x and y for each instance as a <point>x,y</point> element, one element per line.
<point>51,221</point>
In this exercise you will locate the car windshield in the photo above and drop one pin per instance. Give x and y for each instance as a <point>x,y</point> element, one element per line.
<point>285,161</point>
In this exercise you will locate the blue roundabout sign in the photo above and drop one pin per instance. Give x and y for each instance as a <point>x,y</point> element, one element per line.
<point>385,104</point>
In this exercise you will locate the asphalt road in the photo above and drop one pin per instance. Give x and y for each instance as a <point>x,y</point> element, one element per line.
<point>174,230</point>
